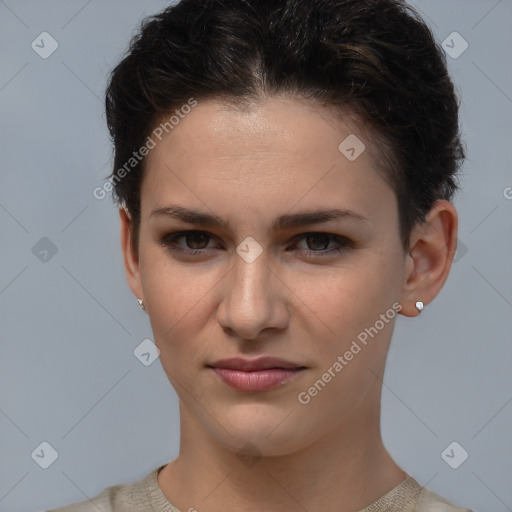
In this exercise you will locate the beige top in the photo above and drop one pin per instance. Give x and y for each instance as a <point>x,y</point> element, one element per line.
<point>145,495</point>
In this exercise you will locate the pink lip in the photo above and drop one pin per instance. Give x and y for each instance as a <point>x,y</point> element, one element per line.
<point>255,380</point>
<point>259,374</point>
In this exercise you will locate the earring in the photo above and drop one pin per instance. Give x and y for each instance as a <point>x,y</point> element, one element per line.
<point>419,306</point>
<point>141,303</point>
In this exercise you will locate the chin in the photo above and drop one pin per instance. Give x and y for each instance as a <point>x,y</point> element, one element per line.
<point>256,434</point>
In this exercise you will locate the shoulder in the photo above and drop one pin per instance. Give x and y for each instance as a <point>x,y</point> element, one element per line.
<point>429,501</point>
<point>127,497</point>
<point>112,499</point>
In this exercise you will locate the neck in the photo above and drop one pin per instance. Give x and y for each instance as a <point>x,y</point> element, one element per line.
<point>346,470</point>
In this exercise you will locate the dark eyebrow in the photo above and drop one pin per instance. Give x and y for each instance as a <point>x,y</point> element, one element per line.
<point>316,217</point>
<point>283,222</point>
<point>191,216</point>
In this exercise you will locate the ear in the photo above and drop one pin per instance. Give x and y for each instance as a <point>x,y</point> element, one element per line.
<point>432,246</point>
<point>130,257</point>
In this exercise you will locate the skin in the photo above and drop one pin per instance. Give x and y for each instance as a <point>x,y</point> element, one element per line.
<point>249,166</point>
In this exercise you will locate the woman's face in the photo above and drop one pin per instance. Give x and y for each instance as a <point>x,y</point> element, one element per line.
<point>252,284</point>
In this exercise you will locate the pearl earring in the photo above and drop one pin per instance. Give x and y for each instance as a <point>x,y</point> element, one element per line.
<point>141,303</point>
<point>419,306</point>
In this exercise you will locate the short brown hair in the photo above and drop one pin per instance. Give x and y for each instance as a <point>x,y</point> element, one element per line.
<point>374,58</point>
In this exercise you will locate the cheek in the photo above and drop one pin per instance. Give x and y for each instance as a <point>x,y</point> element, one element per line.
<point>175,298</point>
<point>351,299</point>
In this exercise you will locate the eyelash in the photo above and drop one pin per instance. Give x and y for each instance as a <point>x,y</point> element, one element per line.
<point>170,239</point>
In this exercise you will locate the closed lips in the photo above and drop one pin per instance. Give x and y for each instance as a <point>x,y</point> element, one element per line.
<point>257,375</point>
<point>264,363</point>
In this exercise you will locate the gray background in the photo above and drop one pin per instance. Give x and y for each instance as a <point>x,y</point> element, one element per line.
<point>69,324</point>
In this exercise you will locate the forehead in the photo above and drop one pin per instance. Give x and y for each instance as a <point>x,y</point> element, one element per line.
<point>280,125</point>
<point>269,156</point>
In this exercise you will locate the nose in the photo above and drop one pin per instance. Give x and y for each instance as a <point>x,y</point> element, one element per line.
<point>254,299</point>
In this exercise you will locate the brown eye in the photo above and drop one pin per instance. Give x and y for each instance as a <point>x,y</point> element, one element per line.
<point>322,244</point>
<point>318,241</point>
<point>187,242</point>
<point>196,240</point>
